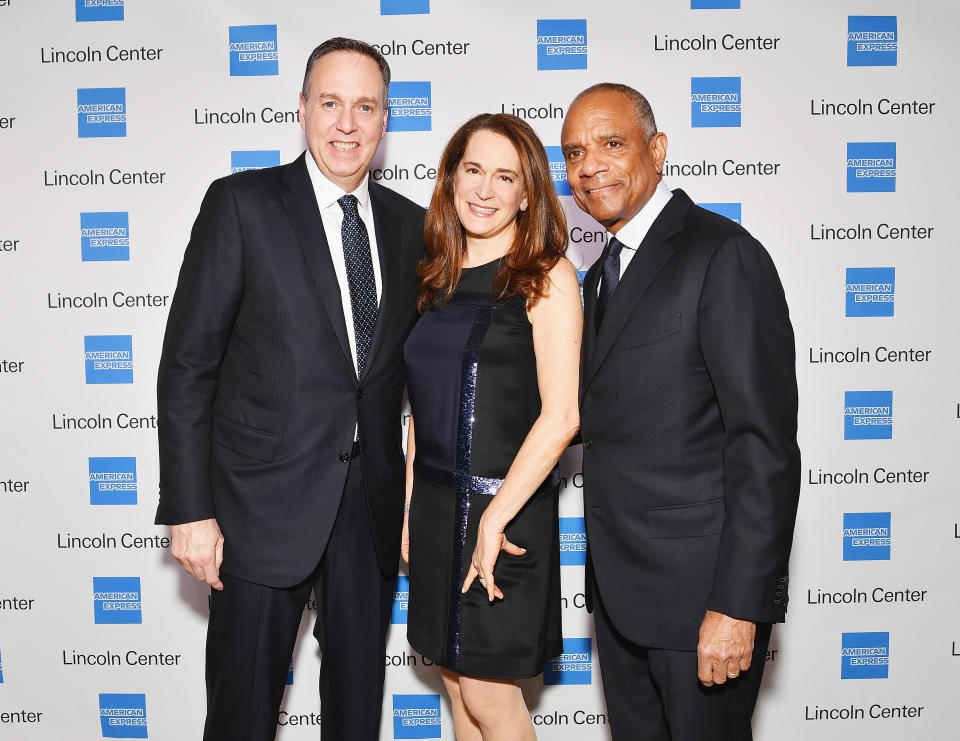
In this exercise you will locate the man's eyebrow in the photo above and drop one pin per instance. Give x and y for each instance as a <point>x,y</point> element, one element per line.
<point>339,98</point>
<point>601,136</point>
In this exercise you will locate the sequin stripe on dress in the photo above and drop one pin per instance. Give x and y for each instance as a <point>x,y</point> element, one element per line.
<point>468,398</point>
<point>483,485</point>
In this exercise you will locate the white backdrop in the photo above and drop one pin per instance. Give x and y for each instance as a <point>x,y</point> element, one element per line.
<point>63,674</point>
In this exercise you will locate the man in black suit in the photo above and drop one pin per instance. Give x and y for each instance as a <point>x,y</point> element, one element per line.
<point>280,391</point>
<point>689,420</point>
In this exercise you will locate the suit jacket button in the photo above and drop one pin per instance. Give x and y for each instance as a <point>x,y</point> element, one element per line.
<point>359,393</point>
<point>344,457</point>
<point>588,443</point>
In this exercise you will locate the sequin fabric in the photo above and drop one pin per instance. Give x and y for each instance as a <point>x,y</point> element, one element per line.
<point>360,277</point>
<point>468,398</point>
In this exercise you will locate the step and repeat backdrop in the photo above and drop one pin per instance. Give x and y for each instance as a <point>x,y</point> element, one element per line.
<point>823,127</point>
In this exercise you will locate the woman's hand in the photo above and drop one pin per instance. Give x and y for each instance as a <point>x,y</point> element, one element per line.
<point>408,494</point>
<point>490,541</point>
<point>405,537</point>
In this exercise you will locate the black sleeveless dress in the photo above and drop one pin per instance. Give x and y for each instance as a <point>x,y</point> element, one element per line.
<point>472,383</point>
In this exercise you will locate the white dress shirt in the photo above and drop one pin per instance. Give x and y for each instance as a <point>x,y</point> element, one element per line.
<point>332,216</point>
<point>632,233</point>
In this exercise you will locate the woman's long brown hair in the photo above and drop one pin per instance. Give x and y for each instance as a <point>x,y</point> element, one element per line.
<point>541,236</point>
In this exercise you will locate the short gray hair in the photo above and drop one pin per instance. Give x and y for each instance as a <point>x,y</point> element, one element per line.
<point>641,106</point>
<point>339,43</point>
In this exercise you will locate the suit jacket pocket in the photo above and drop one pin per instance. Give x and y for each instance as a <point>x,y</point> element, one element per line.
<point>686,521</point>
<point>245,440</point>
<point>647,334</point>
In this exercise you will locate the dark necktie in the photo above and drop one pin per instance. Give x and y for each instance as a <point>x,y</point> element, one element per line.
<point>610,279</point>
<point>360,277</point>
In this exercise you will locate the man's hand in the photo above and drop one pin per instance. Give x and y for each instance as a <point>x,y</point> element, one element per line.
<point>198,546</point>
<point>725,648</point>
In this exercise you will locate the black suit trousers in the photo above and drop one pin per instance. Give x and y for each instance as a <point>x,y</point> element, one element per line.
<point>253,629</point>
<point>653,694</point>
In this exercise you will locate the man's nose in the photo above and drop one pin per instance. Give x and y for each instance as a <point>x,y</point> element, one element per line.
<point>591,163</point>
<point>347,121</point>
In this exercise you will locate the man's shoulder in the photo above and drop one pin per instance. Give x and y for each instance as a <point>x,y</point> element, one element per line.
<point>713,227</point>
<point>253,180</point>
<point>396,201</point>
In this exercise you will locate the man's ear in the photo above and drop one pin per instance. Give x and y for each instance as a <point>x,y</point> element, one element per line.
<point>658,149</point>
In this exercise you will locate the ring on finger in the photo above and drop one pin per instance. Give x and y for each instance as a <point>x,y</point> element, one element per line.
<point>482,580</point>
<point>732,676</point>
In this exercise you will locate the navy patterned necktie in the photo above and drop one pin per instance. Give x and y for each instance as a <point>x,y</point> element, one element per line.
<point>360,277</point>
<point>611,277</point>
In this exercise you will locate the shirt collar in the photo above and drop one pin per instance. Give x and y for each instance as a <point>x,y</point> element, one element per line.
<point>632,233</point>
<point>328,192</point>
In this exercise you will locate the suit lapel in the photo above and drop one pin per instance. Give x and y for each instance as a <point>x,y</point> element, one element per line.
<point>652,255</point>
<point>300,202</point>
<point>387,226</point>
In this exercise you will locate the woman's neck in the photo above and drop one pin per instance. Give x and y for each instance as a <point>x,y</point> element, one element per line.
<point>481,250</point>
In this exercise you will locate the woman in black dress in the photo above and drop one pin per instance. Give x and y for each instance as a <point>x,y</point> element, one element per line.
<point>492,374</point>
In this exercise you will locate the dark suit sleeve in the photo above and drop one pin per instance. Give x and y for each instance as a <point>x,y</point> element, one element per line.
<point>201,318</point>
<point>748,346</point>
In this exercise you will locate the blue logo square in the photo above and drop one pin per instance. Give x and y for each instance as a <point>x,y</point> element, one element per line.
<point>123,716</point>
<point>1,669</point>
<point>562,44</point>
<point>401,596</point>
<point>108,358</point>
<point>714,101</point>
<point>105,236</point>
<point>872,41</point>
<point>113,480</point>
<point>730,210</point>
<point>866,536</point>
<point>241,161</point>
<point>871,167</point>
<point>253,51</point>
<point>870,291</point>
<point>290,673</point>
<point>558,170</point>
<point>410,105</point>
<point>573,537</point>
<point>714,4</point>
<point>573,666</point>
<point>99,10</point>
<point>416,716</point>
<point>868,415</point>
<point>101,112</point>
<point>404,7</point>
<point>865,656</point>
<point>116,600</point>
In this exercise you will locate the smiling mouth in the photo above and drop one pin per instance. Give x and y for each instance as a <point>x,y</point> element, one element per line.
<point>601,189</point>
<point>480,210</point>
<point>345,146</point>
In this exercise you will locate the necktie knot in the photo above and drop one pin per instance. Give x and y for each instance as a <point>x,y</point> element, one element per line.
<point>348,203</point>
<point>616,247</point>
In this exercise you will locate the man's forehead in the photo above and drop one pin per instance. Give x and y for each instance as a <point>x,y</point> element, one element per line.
<point>592,122</point>
<point>347,73</point>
